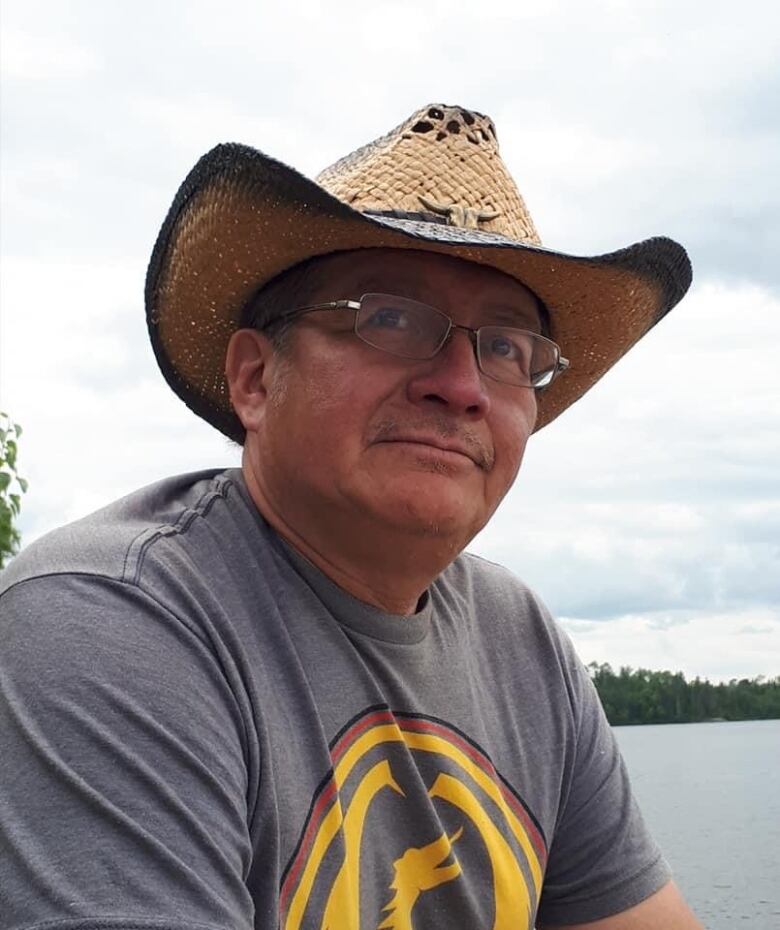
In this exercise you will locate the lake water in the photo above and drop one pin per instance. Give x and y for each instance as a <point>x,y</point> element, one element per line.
<point>710,793</point>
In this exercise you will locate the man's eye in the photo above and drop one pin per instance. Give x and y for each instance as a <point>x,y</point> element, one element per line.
<point>388,318</point>
<point>502,347</point>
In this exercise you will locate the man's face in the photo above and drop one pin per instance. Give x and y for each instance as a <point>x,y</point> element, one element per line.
<point>428,447</point>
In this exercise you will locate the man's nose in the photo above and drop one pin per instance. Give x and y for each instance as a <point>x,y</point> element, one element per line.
<point>452,379</point>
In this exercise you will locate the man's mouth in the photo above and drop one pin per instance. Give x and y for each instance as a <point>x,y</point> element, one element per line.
<point>450,441</point>
<point>435,443</point>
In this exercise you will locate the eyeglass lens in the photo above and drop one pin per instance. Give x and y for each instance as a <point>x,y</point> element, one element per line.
<point>410,329</point>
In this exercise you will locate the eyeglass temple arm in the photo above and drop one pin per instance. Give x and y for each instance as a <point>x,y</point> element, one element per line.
<point>330,305</point>
<point>336,305</point>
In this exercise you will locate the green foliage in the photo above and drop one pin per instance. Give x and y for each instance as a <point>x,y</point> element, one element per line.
<point>634,696</point>
<point>11,488</point>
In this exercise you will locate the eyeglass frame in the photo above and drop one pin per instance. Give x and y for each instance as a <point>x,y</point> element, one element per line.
<point>561,363</point>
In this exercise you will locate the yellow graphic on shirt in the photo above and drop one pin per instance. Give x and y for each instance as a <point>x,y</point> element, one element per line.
<point>418,870</point>
<point>343,907</point>
<point>393,775</point>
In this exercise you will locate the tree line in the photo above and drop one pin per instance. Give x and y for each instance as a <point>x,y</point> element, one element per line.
<point>633,696</point>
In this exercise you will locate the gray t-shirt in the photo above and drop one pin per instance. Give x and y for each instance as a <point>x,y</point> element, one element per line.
<point>199,729</point>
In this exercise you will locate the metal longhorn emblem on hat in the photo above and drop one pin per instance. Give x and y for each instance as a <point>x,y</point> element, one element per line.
<point>459,215</point>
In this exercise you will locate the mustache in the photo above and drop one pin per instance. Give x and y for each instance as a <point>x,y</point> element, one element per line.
<point>443,428</point>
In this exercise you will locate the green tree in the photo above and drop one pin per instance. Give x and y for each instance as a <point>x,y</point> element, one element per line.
<point>11,489</point>
<point>633,696</point>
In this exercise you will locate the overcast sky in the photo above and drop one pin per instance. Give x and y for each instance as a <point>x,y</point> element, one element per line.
<point>648,515</point>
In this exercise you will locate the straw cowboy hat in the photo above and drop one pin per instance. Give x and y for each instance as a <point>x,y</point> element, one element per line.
<point>436,183</point>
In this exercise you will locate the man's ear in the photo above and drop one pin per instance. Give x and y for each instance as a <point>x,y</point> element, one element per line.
<point>246,370</point>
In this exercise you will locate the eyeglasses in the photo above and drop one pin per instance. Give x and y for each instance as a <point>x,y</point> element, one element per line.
<point>408,329</point>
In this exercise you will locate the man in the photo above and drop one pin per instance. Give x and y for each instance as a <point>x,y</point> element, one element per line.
<point>280,695</point>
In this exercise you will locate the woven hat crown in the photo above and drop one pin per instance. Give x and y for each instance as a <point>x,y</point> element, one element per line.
<point>441,165</point>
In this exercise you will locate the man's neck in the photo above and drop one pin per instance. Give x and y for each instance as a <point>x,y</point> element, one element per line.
<point>383,567</point>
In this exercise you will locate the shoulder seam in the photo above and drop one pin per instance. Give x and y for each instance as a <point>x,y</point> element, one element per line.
<point>59,574</point>
<point>110,580</point>
<point>186,519</point>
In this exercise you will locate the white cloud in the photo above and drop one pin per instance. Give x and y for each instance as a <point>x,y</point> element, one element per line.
<point>718,646</point>
<point>78,374</point>
<point>36,56</point>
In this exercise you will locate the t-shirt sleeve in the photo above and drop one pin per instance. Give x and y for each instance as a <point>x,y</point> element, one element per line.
<point>123,765</point>
<point>602,859</point>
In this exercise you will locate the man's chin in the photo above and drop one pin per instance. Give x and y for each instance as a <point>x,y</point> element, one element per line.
<point>429,514</point>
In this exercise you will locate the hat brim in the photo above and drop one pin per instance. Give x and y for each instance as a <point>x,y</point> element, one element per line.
<point>240,218</point>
